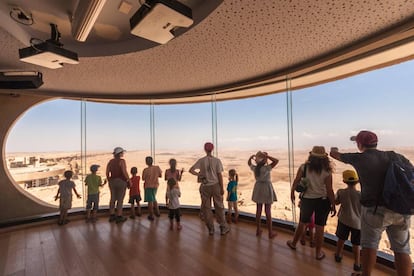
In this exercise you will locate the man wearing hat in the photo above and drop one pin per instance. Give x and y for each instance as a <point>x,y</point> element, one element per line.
<point>371,165</point>
<point>209,171</point>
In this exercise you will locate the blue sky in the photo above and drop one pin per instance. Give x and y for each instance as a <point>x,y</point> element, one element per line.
<point>327,115</point>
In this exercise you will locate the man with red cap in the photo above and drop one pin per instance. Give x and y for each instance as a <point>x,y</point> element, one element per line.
<point>209,171</point>
<point>371,165</point>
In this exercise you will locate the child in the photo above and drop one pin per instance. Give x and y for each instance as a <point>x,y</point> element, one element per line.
<point>150,176</point>
<point>263,192</point>
<point>93,182</point>
<point>173,203</point>
<point>349,217</point>
<point>172,172</point>
<point>310,227</point>
<point>134,192</point>
<point>232,196</point>
<point>65,192</point>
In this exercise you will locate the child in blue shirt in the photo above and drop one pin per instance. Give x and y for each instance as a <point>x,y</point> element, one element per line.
<point>232,196</point>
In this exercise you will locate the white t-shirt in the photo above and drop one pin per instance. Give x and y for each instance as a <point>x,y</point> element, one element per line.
<point>173,195</point>
<point>209,167</point>
<point>316,187</point>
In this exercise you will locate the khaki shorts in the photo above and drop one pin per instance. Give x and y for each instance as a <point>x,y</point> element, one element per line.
<point>396,225</point>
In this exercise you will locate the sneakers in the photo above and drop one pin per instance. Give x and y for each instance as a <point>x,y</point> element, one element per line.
<point>120,219</point>
<point>150,218</point>
<point>357,267</point>
<point>224,230</point>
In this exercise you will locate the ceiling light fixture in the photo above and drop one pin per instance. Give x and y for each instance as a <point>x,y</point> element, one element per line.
<point>156,20</point>
<point>84,17</point>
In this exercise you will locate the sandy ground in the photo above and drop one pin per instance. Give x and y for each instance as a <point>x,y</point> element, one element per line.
<point>282,209</point>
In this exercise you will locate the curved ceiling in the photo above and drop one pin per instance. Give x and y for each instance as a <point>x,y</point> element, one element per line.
<point>243,48</point>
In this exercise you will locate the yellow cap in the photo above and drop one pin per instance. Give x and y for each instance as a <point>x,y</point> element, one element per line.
<point>350,176</point>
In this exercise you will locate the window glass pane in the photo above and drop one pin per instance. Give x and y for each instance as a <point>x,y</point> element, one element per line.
<point>44,143</point>
<point>245,127</point>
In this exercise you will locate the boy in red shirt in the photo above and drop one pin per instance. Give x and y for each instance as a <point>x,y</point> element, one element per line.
<point>134,193</point>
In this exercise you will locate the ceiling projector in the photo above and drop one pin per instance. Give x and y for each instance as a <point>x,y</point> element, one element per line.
<point>156,20</point>
<point>49,53</point>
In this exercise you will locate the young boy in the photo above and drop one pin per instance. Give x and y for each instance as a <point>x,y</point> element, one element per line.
<point>93,182</point>
<point>232,196</point>
<point>65,193</point>
<point>150,177</point>
<point>173,203</point>
<point>135,193</point>
<point>349,217</point>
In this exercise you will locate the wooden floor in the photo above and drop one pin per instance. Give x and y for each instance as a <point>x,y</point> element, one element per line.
<point>141,247</point>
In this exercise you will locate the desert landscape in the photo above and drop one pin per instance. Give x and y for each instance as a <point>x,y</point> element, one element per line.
<point>231,159</point>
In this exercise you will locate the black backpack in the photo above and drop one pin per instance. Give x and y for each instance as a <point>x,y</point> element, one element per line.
<point>398,192</point>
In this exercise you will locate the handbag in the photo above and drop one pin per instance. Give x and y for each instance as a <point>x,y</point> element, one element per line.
<point>303,183</point>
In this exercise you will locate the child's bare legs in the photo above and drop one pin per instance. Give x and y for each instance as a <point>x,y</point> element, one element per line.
<point>139,209</point>
<point>93,216</point>
<point>339,250</point>
<point>88,215</point>
<point>357,256</point>
<point>156,209</point>
<point>259,207</point>
<point>63,217</point>
<point>236,212</point>
<point>312,237</point>
<point>269,221</point>
<point>132,215</point>
<point>230,204</point>
<point>151,210</point>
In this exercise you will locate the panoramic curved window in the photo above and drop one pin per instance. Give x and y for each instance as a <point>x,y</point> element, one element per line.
<point>61,134</point>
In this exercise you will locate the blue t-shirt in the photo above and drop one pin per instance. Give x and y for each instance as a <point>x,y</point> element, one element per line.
<point>232,189</point>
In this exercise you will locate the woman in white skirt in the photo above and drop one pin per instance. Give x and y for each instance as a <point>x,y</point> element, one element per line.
<point>263,192</point>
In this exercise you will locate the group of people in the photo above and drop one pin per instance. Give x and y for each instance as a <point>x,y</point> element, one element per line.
<point>362,214</point>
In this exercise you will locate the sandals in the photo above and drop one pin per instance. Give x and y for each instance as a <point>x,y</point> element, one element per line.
<point>272,235</point>
<point>290,244</point>
<point>321,256</point>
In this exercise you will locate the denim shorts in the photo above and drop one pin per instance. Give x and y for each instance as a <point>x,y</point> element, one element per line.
<point>396,225</point>
<point>92,200</point>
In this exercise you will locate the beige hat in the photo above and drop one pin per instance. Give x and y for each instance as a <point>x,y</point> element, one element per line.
<point>318,151</point>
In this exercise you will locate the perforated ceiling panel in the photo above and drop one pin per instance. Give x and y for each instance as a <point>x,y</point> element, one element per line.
<point>241,41</point>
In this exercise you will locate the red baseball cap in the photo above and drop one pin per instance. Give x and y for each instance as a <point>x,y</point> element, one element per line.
<point>208,147</point>
<point>366,138</point>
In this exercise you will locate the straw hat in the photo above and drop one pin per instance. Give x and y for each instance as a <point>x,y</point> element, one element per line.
<point>260,156</point>
<point>318,151</point>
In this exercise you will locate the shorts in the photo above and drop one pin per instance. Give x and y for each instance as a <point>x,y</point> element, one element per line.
<point>174,213</point>
<point>321,207</point>
<point>134,198</point>
<point>92,199</point>
<point>396,225</point>
<point>342,232</point>
<point>149,194</point>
